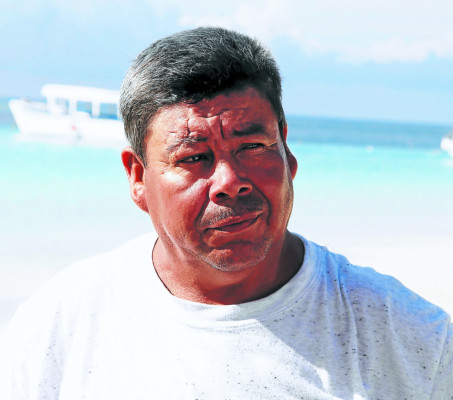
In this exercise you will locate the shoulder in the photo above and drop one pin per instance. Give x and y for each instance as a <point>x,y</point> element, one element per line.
<point>392,323</point>
<point>380,302</point>
<point>81,285</point>
<point>366,285</point>
<point>64,310</point>
<point>98,271</point>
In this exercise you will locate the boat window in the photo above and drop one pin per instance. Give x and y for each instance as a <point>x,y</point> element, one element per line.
<point>63,103</point>
<point>84,106</point>
<point>108,111</point>
<point>58,106</point>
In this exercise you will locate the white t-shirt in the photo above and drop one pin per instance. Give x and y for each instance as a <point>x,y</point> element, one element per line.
<point>106,328</point>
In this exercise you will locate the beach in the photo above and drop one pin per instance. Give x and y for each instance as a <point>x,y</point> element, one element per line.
<point>381,205</point>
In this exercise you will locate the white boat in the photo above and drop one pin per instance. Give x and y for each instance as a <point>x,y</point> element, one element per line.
<point>447,143</point>
<point>71,114</point>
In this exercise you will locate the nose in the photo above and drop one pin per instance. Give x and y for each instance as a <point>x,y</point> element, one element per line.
<point>228,181</point>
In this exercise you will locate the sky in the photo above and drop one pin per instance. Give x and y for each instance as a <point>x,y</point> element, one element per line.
<point>361,59</point>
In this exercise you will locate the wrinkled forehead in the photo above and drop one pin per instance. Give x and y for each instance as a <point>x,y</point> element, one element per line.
<point>227,112</point>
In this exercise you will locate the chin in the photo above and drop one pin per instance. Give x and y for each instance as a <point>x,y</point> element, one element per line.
<point>238,258</point>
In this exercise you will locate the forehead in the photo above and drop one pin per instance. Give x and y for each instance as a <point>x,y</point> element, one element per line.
<point>227,111</point>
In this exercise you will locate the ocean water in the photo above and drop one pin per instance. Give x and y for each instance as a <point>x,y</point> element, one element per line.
<point>357,180</point>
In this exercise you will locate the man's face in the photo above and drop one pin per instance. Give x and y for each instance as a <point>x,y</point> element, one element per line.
<point>218,180</point>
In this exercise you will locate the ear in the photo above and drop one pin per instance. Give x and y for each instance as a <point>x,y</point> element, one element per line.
<point>292,162</point>
<point>135,171</point>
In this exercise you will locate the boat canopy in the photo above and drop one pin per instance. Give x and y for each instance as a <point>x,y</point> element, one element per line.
<point>74,94</point>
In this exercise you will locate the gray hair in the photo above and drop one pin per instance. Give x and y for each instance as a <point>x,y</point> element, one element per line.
<point>191,66</point>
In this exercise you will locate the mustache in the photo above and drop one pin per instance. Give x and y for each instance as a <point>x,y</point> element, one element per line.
<point>242,206</point>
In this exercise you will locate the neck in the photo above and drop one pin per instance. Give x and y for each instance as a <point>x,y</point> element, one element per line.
<point>194,280</point>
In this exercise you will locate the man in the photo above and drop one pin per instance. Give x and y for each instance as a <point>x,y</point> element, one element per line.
<point>222,302</point>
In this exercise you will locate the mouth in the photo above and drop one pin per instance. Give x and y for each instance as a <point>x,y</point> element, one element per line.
<point>234,225</point>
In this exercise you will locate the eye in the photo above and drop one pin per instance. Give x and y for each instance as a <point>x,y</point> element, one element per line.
<point>252,146</point>
<point>193,159</point>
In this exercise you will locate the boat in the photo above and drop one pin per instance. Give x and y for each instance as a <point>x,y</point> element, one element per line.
<point>447,143</point>
<point>71,114</point>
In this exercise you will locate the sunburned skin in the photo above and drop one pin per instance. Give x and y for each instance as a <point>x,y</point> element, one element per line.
<point>218,188</point>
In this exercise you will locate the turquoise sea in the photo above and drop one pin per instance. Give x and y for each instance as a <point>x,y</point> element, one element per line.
<point>356,180</point>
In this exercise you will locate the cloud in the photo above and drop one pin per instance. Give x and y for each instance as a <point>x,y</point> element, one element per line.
<point>354,30</point>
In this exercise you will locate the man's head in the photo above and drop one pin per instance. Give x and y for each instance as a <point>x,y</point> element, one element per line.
<point>190,66</point>
<point>214,172</point>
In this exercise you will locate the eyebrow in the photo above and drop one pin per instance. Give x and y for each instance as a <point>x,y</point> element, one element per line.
<point>185,140</point>
<point>250,130</point>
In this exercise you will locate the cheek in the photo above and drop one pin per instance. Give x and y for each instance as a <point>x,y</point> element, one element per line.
<point>273,179</point>
<point>270,172</point>
<point>175,200</point>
